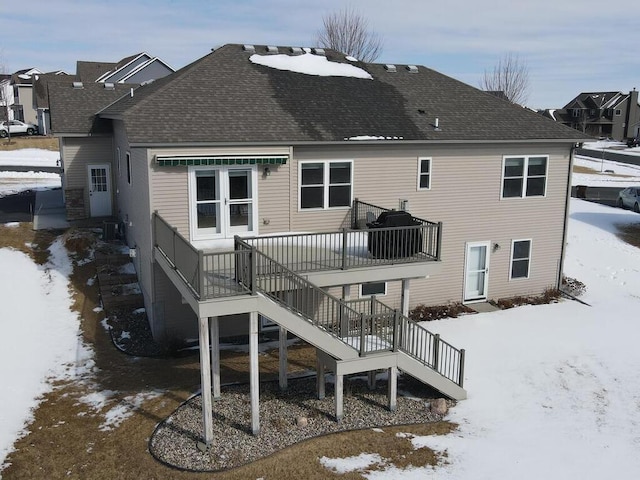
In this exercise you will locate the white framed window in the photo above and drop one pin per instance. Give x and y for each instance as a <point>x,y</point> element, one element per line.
<point>618,112</point>
<point>520,259</point>
<point>575,112</point>
<point>524,176</point>
<point>325,184</point>
<point>424,173</point>
<point>128,168</point>
<point>379,289</point>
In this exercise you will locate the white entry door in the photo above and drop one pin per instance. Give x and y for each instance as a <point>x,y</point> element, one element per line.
<point>100,190</point>
<point>476,278</point>
<point>223,201</point>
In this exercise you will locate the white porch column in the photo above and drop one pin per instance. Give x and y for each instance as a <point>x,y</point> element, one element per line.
<point>254,373</point>
<point>283,358</point>
<point>339,396</point>
<point>393,388</point>
<point>205,380</point>
<point>214,329</point>
<point>405,297</point>
<point>320,381</point>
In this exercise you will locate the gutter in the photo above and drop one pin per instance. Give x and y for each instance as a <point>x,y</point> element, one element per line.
<point>343,143</point>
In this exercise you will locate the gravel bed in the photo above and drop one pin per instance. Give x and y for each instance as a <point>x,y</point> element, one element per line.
<point>174,441</point>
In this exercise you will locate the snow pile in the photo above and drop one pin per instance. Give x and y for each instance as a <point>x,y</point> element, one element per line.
<point>625,174</point>
<point>40,336</point>
<point>310,64</point>
<point>373,137</point>
<point>119,410</point>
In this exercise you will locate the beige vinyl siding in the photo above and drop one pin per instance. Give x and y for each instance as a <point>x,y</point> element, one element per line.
<point>173,319</point>
<point>170,188</point>
<point>80,152</point>
<point>465,196</point>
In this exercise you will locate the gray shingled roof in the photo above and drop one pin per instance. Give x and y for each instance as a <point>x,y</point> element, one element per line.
<point>91,71</point>
<point>223,97</point>
<point>73,109</point>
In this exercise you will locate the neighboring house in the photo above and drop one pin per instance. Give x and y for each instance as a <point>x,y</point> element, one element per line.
<point>6,96</point>
<point>212,170</point>
<point>23,103</point>
<point>613,115</point>
<point>133,70</point>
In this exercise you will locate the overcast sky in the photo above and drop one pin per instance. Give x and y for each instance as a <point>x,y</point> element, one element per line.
<point>570,46</point>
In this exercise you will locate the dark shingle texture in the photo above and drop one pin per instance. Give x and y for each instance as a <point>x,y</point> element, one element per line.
<point>223,97</point>
<point>73,110</point>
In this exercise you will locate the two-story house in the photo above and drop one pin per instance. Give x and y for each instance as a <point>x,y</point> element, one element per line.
<point>250,184</point>
<point>613,115</point>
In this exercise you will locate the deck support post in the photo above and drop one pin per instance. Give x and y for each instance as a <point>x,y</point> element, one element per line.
<point>205,380</point>
<point>283,358</point>
<point>214,335</point>
<point>371,379</point>
<point>320,381</point>
<point>254,373</point>
<point>393,388</point>
<point>339,396</point>
<point>405,296</point>
<point>344,319</point>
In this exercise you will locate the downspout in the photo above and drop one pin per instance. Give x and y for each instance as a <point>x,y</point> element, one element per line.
<point>566,219</point>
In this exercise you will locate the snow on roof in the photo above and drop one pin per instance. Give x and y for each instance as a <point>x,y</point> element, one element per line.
<point>310,64</point>
<point>373,137</point>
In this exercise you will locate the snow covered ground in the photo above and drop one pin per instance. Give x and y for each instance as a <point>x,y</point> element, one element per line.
<point>16,182</point>
<point>554,390</point>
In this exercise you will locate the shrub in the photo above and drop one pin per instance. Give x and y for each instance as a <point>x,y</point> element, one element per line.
<point>435,312</point>
<point>573,287</point>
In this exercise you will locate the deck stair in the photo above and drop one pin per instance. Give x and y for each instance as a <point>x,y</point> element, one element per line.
<point>351,331</point>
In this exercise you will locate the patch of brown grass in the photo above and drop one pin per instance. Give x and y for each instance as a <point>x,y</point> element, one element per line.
<point>17,143</point>
<point>630,233</point>
<point>65,439</point>
<point>581,169</point>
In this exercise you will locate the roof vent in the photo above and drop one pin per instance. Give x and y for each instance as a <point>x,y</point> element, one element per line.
<point>412,69</point>
<point>249,48</point>
<point>78,85</point>
<point>318,51</point>
<point>390,68</point>
<point>296,50</point>
<point>109,86</point>
<point>272,49</point>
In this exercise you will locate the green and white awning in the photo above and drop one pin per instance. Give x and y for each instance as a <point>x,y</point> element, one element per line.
<point>181,161</point>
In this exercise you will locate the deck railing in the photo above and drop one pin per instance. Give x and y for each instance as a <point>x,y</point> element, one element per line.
<point>367,325</point>
<point>207,275</point>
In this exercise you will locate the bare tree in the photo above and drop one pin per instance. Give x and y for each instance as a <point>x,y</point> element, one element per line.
<point>348,32</point>
<point>510,76</point>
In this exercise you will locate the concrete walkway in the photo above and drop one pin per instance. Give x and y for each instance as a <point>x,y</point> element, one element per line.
<point>49,212</point>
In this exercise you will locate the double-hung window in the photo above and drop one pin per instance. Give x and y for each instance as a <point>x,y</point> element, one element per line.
<point>520,258</point>
<point>524,176</point>
<point>424,173</point>
<point>326,184</point>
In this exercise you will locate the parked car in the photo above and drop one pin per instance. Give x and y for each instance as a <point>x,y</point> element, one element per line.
<point>16,127</point>
<point>630,198</point>
<point>633,142</point>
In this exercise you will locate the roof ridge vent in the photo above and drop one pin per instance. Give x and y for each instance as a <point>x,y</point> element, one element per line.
<point>249,48</point>
<point>412,68</point>
<point>318,51</point>
<point>390,68</point>
<point>272,49</point>
<point>296,50</point>
<point>78,85</point>
<point>109,86</point>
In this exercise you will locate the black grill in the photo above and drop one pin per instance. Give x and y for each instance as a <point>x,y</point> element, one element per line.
<point>399,243</point>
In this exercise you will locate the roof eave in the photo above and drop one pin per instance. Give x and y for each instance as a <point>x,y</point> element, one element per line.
<point>358,142</point>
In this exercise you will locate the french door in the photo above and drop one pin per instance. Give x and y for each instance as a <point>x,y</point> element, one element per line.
<point>476,277</point>
<point>223,201</point>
